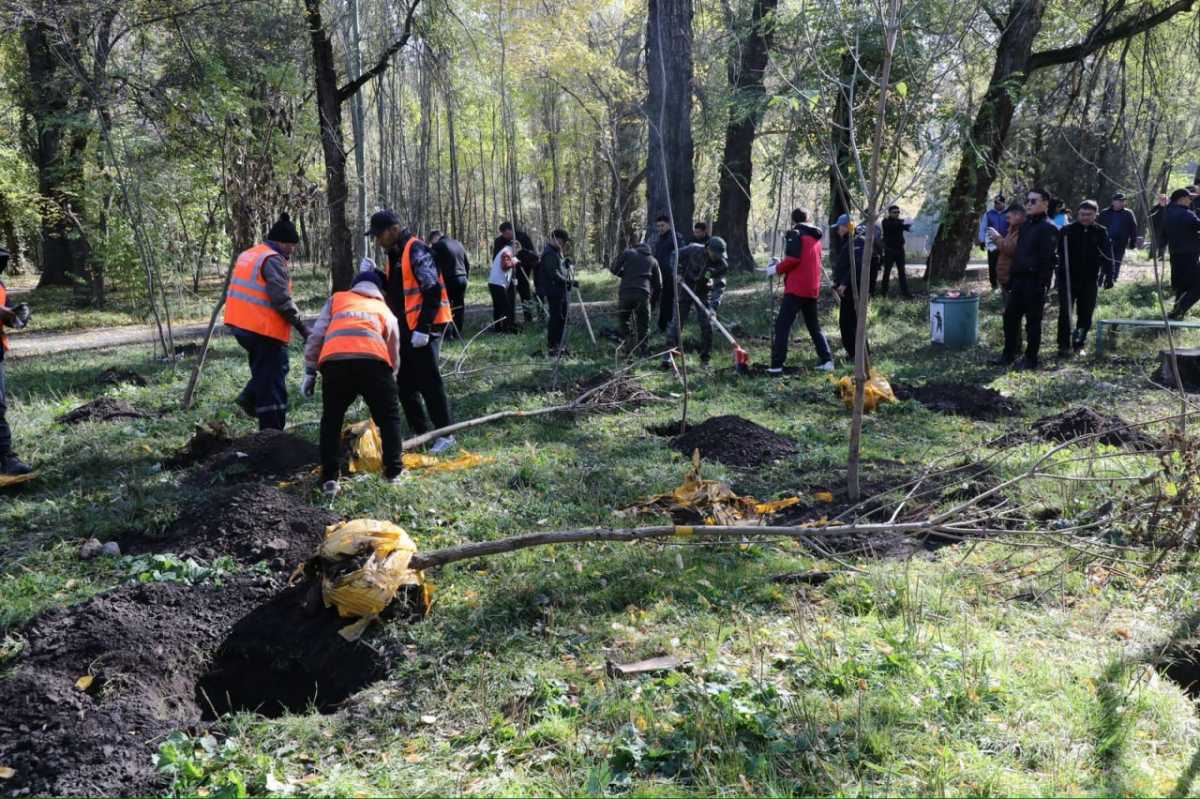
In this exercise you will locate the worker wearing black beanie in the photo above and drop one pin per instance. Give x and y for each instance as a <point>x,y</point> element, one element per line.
<point>261,313</point>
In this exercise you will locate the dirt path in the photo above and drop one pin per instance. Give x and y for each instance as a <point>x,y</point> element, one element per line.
<point>28,345</point>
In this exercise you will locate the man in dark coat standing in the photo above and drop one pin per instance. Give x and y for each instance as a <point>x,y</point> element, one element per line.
<point>1085,259</point>
<point>1033,266</point>
<point>451,259</point>
<point>665,247</point>
<point>1182,227</point>
<point>1122,229</point>
<point>556,282</point>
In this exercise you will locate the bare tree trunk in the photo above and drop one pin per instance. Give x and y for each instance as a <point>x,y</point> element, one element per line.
<point>747,64</point>
<point>669,111</point>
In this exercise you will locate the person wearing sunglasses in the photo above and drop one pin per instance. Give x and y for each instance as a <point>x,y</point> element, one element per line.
<point>1033,266</point>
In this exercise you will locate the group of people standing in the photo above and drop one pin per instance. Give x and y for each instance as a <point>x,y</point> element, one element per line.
<point>543,283</point>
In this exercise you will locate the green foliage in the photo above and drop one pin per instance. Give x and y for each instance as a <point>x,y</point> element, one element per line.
<point>167,567</point>
<point>203,763</point>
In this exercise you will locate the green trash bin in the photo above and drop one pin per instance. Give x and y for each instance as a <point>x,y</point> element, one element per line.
<point>954,319</point>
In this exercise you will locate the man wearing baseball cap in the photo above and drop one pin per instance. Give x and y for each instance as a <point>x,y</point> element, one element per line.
<point>1122,229</point>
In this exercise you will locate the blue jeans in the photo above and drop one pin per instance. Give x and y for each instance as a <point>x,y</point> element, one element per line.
<point>267,387</point>
<point>5,432</point>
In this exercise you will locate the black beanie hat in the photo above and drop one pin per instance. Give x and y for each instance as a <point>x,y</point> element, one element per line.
<point>283,231</point>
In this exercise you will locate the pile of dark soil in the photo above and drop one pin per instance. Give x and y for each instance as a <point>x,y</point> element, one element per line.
<point>209,439</point>
<point>249,522</point>
<point>621,391</point>
<point>164,656</point>
<point>734,441</point>
<point>114,376</point>
<point>1075,423</point>
<point>265,455</point>
<point>102,409</point>
<point>961,399</point>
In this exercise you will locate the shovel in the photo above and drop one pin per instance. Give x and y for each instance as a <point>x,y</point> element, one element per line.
<point>741,358</point>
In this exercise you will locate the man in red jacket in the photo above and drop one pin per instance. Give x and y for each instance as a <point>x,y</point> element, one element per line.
<point>801,270</point>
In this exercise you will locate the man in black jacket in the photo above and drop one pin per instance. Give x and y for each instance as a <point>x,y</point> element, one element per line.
<point>702,267</point>
<point>520,284</point>
<point>556,282</point>
<point>1033,266</point>
<point>664,252</point>
<point>1122,229</point>
<point>893,250</point>
<point>1158,230</point>
<point>1085,258</point>
<point>419,378</point>
<point>1182,228</point>
<point>847,272</point>
<point>451,259</point>
<point>641,284</point>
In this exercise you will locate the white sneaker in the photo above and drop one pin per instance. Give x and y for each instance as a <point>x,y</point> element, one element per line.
<point>330,487</point>
<point>774,370</point>
<point>826,367</point>
<point>442,445</point>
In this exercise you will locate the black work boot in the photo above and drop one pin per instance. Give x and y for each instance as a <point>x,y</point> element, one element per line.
<point>12,467</point>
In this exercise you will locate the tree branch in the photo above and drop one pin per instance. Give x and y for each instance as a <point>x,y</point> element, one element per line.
<point>1102,37</point>
<point>350,89</point>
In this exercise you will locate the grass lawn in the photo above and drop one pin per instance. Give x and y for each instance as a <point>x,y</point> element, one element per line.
<point>969,670</point>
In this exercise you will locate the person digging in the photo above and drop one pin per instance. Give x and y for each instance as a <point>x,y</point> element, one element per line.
<point>16,317</point>
<point>355,345</point>
<point>261,313</point>
<point>801,270</point>
<point>641,285</point>
<point>702,268</point>
<point>417,296</point>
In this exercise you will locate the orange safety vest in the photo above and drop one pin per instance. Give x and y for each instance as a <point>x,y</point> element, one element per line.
<point>412,290</point>
<point>247,304</point>
<point>3,301</point>
<point>357,329</point>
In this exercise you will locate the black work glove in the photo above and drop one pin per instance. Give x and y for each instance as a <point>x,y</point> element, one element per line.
<point>1108,281</point>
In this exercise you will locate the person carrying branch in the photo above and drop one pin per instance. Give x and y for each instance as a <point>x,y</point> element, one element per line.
<point>261,313</point>
<point>1086,260</point>
<point>702,268</point>
<point>355,345</point>
<point>1033,266</point>
<point>452,261</point>
<point>556,281</point>
<point>801,271</point>
<point>641,285</point>
<point>16,316</point>
<point>417,296</point>
<point>1182,228</point>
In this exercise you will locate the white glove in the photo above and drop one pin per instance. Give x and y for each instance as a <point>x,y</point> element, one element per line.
<point>420,339</point>
<point>771,268</point>
<point>366,265</point>
<point>308,386</point>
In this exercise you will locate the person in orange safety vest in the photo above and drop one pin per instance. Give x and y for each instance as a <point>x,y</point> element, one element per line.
<point>16,316</point>
<point>417,295</point>
<point>261,313</point>
<point>355,345</point>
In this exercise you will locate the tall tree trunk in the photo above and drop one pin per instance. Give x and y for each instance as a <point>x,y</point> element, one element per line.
<point>329,112</point>
<point>357,124</point>
<point>747,64</point>
<point>841,167</point>
<point>670,179</point>
<point>59,148</point>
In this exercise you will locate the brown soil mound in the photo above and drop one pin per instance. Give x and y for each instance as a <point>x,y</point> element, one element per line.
<point>102,409</point>
<point>209,439</point>
<point>249,522</point>
<point>265,455</point>
<point>961,399</point>
<point>115,377</point>
<point>1075,423</point>
<point>734,441</point>
<point>164,656</point>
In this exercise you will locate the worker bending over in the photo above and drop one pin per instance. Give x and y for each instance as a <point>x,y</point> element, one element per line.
<point>417,296</point>
<point>261,313</point>
<point>16,316</point>
<point>355,344</point>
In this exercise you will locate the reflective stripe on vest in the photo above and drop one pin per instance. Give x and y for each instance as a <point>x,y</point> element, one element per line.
<point>412,292</point>
<point>357,327</point>
<point>3,302</point>
<point>247,304</point>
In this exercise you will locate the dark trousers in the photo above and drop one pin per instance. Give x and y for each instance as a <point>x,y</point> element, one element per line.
<point>267,387</point>
<point>789,307</point>
<point>993,258</point>
<point>686,303</point>
<point>1118,250</point>
<point>456,291</point>
<point>342,382</point>
<point>1026,299</point>
<point>848,323</point>
<point>1083,300</point>
<point>894,257</point>
<point>420,385</point>
<point>519,287</point>
<point>1185,280</point>
<point>633,318</point>
<point>501,307</point>
<point>558,300</point>
<point>666,303</point>
<point>5,431</point>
